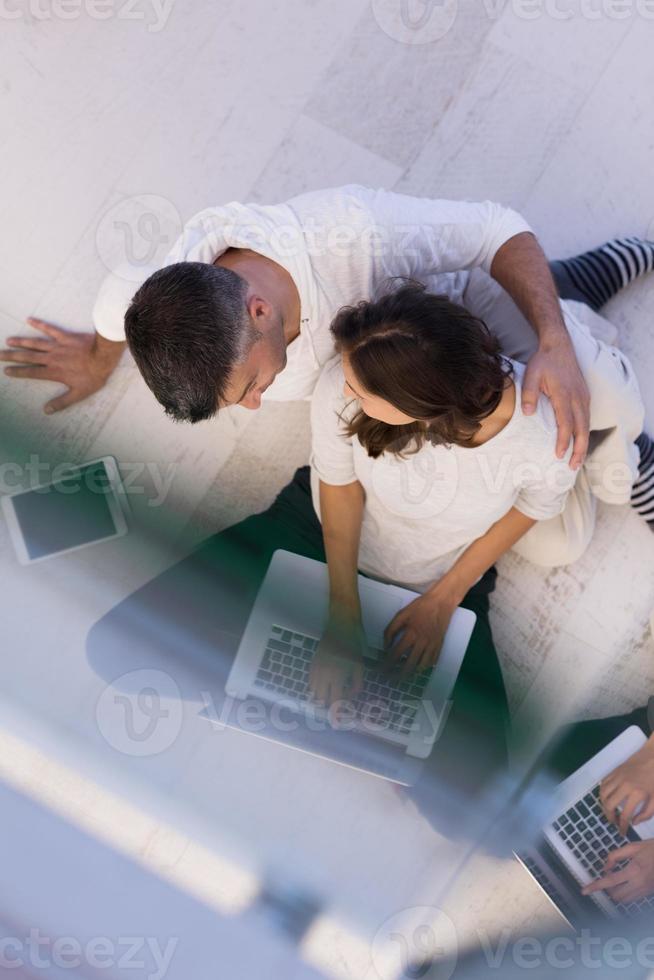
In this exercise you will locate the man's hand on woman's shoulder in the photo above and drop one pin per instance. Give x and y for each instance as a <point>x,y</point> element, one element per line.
<point>554,371</point>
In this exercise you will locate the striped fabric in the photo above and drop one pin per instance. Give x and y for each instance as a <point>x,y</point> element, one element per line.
<point>642,495</point>
<point>595,277</point>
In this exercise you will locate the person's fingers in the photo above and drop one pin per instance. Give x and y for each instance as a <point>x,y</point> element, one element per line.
<point>24,356</point>
<point>413,655</point>
<point>430,655</point>
<point>565,423</point>
<point>60,402</point>
<point>531,387</point>
<point>394,627</point>
<point>34,371</point>
<point>336,712</point>
<point>356,682</point>
<point>646,812</point>
<point>621,854</point>
<point>321,683</point>
<point>314,684</point>
<point>316,679</point>
<point>629,807</point>
<point>606,881</point>
<point>608,784</point>
<point>323,686</point>
<point>45,327</point>
<point>326,692</point>
<point>581,435</point>
<point>414,659</point>
<point>337,687</point>
<point>402,646</point>
<point>611,798</point>
<point>31,343</point>
<point>339,680</point>
<point>626,893</point>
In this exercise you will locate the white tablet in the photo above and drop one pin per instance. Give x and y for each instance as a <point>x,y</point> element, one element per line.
<point>83,507</point>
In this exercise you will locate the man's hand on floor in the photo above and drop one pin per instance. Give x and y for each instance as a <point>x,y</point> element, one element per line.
<point>634,881</point>
<point>555,372</point>
<point>81,361</point>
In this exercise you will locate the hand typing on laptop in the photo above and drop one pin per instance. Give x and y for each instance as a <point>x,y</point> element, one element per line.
<point>337,668</point>
<point>414,637</point>
<point>628,873</point>
<point>627,794</point>
<point>627,797</point>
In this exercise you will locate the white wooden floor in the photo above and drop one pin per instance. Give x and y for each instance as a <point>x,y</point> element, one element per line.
<point>105,121</point>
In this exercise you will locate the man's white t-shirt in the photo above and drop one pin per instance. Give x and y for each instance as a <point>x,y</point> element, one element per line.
<point>340,246</point>
<point>422,511</point>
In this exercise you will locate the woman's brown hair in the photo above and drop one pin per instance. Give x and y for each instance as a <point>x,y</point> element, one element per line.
<point>427,356</point>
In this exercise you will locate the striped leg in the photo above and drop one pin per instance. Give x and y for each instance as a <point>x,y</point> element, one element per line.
<point>595,277</point>
<point>642,495</point>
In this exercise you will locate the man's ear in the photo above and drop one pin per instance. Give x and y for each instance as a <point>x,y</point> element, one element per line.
<point>260,310</point>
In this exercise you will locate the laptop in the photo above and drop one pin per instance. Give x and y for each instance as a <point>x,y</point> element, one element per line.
<point>575,843</point>
<point>391,727</point>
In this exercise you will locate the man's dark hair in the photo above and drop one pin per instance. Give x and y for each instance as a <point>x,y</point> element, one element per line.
<point>187,327</point>
<point>431,359</point>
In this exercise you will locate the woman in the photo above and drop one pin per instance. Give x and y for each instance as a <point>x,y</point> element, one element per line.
<point>424,471</point>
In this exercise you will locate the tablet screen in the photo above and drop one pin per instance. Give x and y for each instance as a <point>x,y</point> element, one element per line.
<point>66,514</point>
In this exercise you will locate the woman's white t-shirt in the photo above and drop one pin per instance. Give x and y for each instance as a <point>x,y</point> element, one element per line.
<point>422,511</point>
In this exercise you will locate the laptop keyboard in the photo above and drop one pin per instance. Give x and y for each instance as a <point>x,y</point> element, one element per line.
<point>591,838</point>
<point>387,702</point>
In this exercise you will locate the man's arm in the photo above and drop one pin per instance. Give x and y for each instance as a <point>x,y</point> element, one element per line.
<point>81,361</point>
<point>522,270</point>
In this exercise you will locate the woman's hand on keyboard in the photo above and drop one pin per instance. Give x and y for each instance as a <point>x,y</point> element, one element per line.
<point>635,880</point>
<point>336,673</point>
<point>630,787</point>
<point>414,636</point>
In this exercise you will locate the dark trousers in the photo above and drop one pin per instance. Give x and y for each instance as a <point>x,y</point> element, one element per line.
<point>578,743</point>
<point>568,289</point>
<point>189,620</point>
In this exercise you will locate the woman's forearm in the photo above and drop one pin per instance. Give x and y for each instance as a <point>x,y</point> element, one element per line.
<point>483,553</point>
<point>341,511</point>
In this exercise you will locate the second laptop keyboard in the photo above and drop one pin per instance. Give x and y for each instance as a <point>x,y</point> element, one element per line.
<point>591,838</point>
